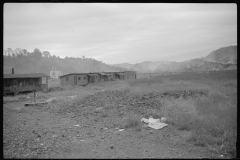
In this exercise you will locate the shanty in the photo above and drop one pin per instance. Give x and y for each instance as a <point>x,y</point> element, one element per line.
<point>16,83</point>
<point>82,79</point>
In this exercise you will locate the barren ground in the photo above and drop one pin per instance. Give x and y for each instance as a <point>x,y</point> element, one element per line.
<point>89,128</point>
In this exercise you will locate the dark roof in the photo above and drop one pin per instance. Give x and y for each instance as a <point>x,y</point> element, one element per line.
<point>31,75</point>
<point>129,71</point>
<point>92,74</point>
<point>101,73</point>
<point>73,74</point>
<point>122,74</point>
<point>104,74</point>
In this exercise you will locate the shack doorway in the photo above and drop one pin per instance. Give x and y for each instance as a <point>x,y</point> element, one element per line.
<point>75,80</point>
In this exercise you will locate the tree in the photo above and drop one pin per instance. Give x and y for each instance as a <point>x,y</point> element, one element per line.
<point>83,57</point>
<point>25,52</point>
<point>9,52</point>
<point>18,52</point>
<point>46,54</point>
<point>37,53</point>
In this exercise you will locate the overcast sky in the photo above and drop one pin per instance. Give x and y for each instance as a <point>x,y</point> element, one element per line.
<point>121,33</point>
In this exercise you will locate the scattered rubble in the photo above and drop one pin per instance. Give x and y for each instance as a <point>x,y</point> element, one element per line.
<point>122,101</point>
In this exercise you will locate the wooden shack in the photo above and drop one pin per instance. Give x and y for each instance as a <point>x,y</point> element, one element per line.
<point>104,76</point>
<point>119,75</point>
<point>16,83</point>
<point>130,74</point>
<point>79,79</point>
<point>111,76</point>
<point>94,77</point>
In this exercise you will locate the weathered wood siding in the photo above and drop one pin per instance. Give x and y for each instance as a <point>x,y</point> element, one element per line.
<point>80,80</point>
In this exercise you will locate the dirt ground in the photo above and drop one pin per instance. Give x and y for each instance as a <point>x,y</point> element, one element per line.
<point>89,128</point>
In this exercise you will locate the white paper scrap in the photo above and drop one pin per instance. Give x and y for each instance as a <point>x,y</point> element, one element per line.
<point>157,125</point>
<point>144,120</point>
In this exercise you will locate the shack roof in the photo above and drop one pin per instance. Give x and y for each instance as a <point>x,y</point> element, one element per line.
<point>129,71</point>
<point>73,74</point>
<point>122,74</point>
<point>92,74</point>
<point>104,74</point>
<point>31,75</point>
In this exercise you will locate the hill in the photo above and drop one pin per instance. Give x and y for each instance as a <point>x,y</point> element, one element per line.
<point>223,55</point>
<point>221,59</point>
<point>38,61</point>
<point>124,65</point>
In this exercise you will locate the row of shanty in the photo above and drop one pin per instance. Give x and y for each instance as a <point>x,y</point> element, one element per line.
<point>82,79</point>
<point>16,83</point>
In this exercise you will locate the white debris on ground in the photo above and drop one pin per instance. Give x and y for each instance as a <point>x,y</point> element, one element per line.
<point>99,108</point>
<point>154,123</point>
<point>72,96</point>
<point>52,98</point>
<point>49,100</point>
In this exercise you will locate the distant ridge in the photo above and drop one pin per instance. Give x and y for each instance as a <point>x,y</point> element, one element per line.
<point>223,55</point>
<point>224,58</point>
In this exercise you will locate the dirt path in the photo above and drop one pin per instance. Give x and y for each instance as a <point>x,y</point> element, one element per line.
<point>89,128</point>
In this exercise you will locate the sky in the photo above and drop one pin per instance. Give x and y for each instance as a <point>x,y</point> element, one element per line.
<point>121,32</point>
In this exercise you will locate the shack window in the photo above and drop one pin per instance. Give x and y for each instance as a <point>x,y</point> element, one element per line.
<point>79,78</point>
<point>67,78</point>
<point>84,77</point>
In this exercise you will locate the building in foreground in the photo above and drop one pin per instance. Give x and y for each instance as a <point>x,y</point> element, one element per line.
<point>16,83</point>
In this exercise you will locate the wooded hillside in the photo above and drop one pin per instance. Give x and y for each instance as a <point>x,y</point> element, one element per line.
<point>37,61</point>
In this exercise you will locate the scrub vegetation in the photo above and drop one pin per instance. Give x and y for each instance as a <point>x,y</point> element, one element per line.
<point>212,119</point>
<point>200,108</point>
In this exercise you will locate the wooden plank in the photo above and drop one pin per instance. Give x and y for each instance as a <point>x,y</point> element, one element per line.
<point>35,104</point>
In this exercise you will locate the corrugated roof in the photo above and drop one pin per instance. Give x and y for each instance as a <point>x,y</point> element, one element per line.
<point>31,75</point>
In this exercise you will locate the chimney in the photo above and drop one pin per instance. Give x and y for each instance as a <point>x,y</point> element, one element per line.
<point>12,70</point>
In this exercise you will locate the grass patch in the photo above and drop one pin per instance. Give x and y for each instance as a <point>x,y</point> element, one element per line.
<point>179,112</point>
<point>212,119</point>
<point>156,114</point>
<point>147,81</point>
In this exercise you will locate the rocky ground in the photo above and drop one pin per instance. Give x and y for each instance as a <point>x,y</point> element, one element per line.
<point>90,128</point>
